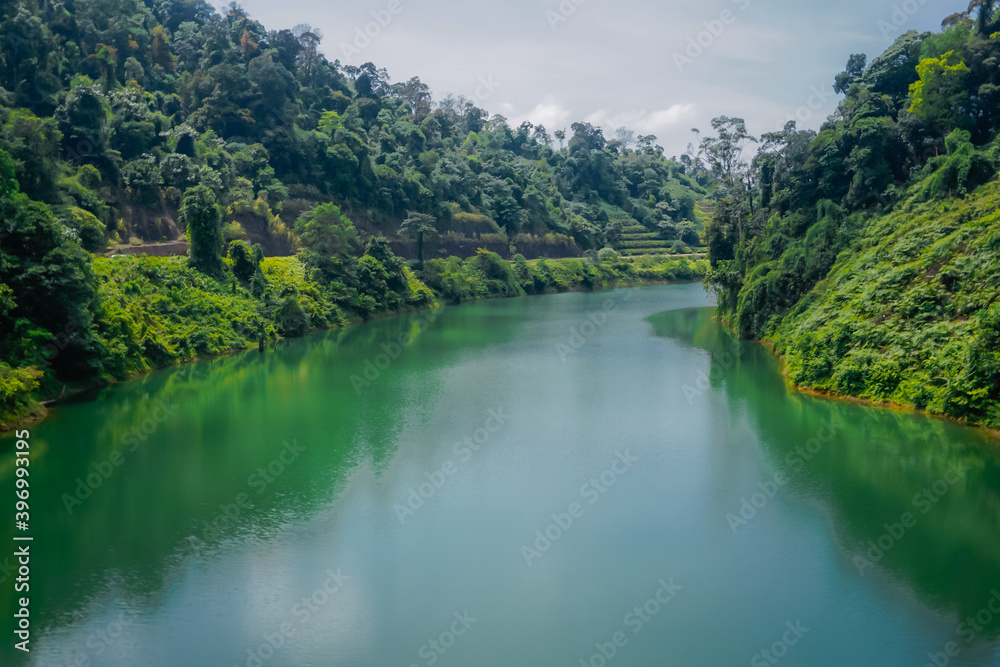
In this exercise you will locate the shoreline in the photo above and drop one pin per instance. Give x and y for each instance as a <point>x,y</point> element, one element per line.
<point>857,400</point>
<point>886,405</point>
<point>40,412</point>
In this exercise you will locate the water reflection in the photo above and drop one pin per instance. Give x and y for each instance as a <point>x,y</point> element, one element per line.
<point>910,496</point>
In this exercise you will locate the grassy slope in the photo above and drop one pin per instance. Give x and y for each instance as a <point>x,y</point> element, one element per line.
<point>910,315</point>
<point>155,312</point>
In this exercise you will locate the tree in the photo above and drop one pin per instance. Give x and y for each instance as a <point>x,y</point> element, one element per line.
<point>940,91</point>
<point>417,226</point>
<point>327,231</point>
<point>200,213</point>
<point>561,136</point>
<point>855,68</point>
<point>47,285</point>
<point>724,153</point>
<point>625,137</point>
<point>985,11</point>
<point>241,256</point>
<point>417,94</point>
<point>542,136</point>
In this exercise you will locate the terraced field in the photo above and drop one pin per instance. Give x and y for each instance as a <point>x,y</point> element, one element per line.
<point>637,240</point>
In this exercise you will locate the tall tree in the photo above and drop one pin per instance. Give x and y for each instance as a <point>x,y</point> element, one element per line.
<point>855,68</point>
<point>200,213</point>
<point>417,226</point>
<point>724,153</point>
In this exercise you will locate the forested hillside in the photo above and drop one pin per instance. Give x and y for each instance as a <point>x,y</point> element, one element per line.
<point>869,252</point>
<point>112,109</point>
<point>294,189</point>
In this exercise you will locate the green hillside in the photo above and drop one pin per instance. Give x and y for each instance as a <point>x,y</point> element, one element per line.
<point>118,107</point>
<point>868,252</point>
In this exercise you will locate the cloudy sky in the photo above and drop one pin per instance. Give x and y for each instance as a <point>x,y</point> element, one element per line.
<point>659,67</point>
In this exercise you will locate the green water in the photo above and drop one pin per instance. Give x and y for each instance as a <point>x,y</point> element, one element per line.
<point>641,434</point>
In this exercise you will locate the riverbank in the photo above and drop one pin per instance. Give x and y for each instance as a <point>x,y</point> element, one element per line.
<point>820,392</point>
<point>857,400</point>
<point>155,313</point>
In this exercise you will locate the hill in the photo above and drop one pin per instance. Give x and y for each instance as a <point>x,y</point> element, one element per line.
<point>118,107</point>
<point>868,252</point>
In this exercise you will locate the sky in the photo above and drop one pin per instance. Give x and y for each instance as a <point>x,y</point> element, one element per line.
<point>658,68</point>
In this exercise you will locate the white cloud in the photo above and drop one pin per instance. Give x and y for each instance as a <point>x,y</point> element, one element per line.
<point>643,122</point>
<point>611,63</point>
<point>551,115</point>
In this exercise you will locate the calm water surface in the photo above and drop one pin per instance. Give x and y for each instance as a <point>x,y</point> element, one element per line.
<point>580,479</point>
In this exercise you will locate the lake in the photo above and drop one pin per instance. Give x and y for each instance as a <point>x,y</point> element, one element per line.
<point>577,479</point>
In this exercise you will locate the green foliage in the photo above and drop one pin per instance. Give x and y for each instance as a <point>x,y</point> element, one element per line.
<point>418,226</point>
<point>960,172</point>
<point>90,230</point>
<point>17,387</point>
<point>488,276</point>
<point>244,264</point>
<point>327,231</point>
<point>49,283</point>
<point>940,90</point>
<point>200,214</point>
<point>912,317</point>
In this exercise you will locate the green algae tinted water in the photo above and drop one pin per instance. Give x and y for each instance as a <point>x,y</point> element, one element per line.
<point>580,479</point>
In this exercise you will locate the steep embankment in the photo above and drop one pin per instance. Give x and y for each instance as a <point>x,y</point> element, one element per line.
<point>909,315</point>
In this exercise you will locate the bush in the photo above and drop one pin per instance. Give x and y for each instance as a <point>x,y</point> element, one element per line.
<point>607,254</point>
